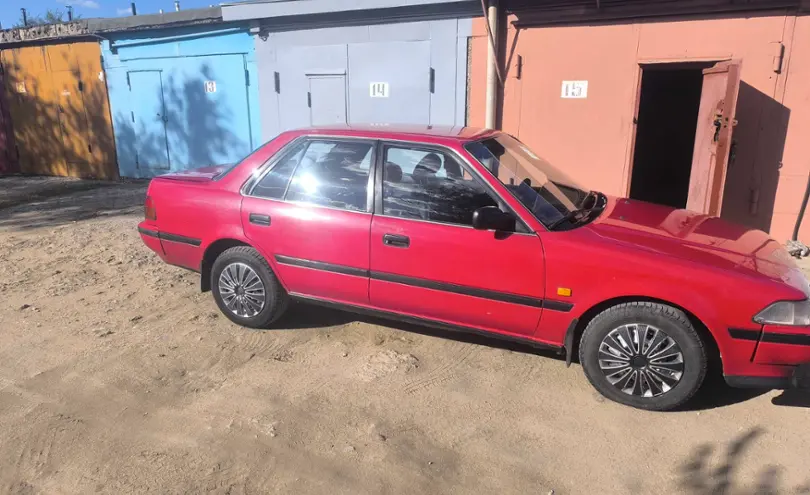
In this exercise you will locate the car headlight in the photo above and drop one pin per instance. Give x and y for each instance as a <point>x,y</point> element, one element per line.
<point>785,313</point>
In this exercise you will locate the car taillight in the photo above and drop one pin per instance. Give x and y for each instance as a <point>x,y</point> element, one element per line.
<point>149,211</point>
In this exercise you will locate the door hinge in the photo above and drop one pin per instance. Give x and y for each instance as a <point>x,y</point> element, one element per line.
<point>778,57</point>
<point>81,87</point>
<point>432,80</point>
<point>309,99</point>
<point>277,81</point>
<point>129,83</point>
<point>247,78</point>
<point>133,116</point>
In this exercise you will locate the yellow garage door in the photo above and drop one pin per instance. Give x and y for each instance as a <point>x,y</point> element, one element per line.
<point>58,104</point>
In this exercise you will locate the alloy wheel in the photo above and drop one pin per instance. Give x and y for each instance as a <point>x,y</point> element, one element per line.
<point>641,360</point>
<point>242,290</point>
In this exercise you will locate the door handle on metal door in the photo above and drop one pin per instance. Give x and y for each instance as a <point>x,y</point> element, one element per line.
<point>257,219</point>
<point>400,241</point>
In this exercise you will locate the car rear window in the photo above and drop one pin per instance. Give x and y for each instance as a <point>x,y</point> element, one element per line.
<point>232,166</point>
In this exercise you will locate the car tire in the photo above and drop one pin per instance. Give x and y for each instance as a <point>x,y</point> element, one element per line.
<point>643,354</point>
<point>236,276</point>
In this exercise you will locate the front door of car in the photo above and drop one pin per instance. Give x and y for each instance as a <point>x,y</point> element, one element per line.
<point>311,213</point>
<point>428,261</point>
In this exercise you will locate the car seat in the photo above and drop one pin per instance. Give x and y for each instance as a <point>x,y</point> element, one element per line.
<point>426,168</point>
<point>452,169</point>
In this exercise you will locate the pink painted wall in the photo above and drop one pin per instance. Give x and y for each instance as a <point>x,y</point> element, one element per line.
<point>593,138</point>
<point>796,160</point>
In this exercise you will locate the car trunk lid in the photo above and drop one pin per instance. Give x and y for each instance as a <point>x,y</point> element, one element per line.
<point>204,174</point>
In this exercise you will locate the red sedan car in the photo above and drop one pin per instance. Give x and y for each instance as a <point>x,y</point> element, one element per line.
<point>469,229</point>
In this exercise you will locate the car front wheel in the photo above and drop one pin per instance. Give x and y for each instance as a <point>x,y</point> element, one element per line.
<point>245,288</point>
<point>644,355</point>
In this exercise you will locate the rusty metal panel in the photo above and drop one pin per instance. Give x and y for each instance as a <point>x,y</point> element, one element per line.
<point>8,155</point>
<point>718,102</point>
<point>58,102</point>
<point>28,93</point>
<point>555,12</point>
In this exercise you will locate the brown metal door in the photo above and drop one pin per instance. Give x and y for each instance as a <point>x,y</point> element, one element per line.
<point>718,101</point>
<point>73,124</point>
<point>8,155</point>
<point>32,107</point>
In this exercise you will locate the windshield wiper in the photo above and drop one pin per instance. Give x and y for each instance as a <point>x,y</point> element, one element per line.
<point>571,215</point>
<point>593,194</point>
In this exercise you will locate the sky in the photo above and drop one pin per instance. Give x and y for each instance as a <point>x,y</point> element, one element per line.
<point>10,9</point>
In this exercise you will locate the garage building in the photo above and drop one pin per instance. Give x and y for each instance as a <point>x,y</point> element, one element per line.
<point>183,90</point>
<point>326,62</point>
<point>698,104</point>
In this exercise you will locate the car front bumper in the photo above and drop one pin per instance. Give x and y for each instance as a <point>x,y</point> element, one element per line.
<point>775,356</point>
<point>797,377</point>
<point>801,377</point>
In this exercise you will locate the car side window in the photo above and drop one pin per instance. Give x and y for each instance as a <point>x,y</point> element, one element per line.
<point>274,183</point>
<point>333,174</point>
<point>430,185</point>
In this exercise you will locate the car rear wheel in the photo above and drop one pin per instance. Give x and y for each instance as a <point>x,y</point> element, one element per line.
<point>245,288</point>
<point>644,355</point>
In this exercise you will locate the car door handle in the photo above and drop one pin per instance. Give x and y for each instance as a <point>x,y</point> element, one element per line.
<point>400,241</point>
<point>258,219</point>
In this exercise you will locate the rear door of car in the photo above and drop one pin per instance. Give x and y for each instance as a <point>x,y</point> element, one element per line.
<point>311,213</point>
<point>427,260</point>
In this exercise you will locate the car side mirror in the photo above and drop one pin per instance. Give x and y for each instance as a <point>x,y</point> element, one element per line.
<point>492,218</point>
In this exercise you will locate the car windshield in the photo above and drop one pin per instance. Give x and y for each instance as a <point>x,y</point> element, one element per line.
<point>543,189</point>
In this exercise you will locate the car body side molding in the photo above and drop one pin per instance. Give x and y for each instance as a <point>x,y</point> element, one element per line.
<point>744,334</point>
<point>428,284</point>
<point>170,237</point>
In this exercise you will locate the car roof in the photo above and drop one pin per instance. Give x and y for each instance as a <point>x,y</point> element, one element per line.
<point>403,132</point>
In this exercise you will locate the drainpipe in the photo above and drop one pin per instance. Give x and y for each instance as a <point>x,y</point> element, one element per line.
<point>492,64</point>
<point>799,219</point>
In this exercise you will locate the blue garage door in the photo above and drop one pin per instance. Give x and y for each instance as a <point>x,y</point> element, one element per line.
<point>190,112</point>
<point>207,106</point>
<point>149,119</point>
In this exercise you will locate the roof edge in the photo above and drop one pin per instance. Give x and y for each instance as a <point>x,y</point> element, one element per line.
<point>93,27</point>
<point>299,8</point>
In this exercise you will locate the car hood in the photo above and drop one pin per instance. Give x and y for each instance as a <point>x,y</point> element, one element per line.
<point>698,237</point>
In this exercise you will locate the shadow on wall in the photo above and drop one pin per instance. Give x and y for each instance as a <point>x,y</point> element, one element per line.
<point>700,476</point>
<point>177,125</point>
<point>753,168</point>
<point>58,104</point>
<point>8,155</point>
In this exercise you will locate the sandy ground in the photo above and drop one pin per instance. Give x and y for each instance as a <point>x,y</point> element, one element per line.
<point>117,375</point>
